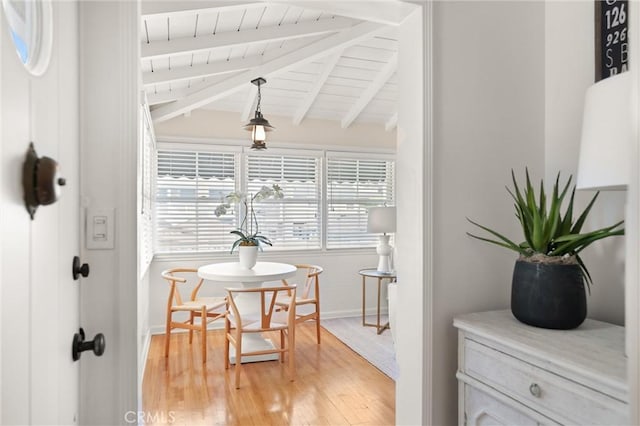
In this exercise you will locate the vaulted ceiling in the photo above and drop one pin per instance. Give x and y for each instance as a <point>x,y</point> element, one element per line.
<point>333,60</point>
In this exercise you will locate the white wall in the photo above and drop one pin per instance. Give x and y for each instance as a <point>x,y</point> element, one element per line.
<point>340,284</point>
<point>569,71</point>
<point>488,118</point>
<point>227,125</point>
<point>109,72</point>
<point>632,272</point>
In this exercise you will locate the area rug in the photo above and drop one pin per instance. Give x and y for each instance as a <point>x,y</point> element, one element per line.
<point>375,348</point>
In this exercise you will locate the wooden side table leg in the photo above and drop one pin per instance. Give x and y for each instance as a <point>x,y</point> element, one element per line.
<point>363,299</point>
<point>378,311</point>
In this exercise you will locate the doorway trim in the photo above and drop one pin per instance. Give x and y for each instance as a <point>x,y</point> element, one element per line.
<point>415,191</point>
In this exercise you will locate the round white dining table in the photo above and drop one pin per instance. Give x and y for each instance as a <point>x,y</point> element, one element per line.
<point>233,273</point>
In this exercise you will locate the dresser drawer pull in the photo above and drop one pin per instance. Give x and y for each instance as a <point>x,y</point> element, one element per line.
<point>535,390</point>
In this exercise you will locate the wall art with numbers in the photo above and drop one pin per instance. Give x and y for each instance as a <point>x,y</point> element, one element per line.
<point>611,37</point>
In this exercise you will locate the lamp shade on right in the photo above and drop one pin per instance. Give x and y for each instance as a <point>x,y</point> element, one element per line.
<point>381,220</point>
<point>606,135</point>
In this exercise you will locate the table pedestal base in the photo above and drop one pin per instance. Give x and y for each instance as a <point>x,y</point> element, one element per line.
<point>250,343</point>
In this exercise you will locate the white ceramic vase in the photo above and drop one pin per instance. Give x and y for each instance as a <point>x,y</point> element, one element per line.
<point>248,256</point>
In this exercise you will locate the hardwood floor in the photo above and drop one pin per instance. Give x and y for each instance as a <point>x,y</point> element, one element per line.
<point>333,386</point>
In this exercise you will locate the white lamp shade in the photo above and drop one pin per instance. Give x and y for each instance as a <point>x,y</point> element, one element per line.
<point>606,135</point>
<point>381,220</point>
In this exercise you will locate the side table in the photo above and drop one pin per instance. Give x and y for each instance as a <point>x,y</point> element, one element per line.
<point>391,276</point>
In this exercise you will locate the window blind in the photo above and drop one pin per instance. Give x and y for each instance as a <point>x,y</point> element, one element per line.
<point>145,220</point>
<point>293,221</point>
<point>354,185</point>
<point>189,187</point>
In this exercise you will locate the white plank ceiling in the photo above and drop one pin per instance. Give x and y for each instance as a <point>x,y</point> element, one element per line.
<point>321,59</point>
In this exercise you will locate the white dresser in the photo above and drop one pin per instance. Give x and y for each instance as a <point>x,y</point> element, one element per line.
<point>513,374</point>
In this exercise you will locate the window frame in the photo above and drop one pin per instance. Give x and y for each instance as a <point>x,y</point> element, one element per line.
<point>241,147</point>
<point>350,155</point>
<point>310,153</point>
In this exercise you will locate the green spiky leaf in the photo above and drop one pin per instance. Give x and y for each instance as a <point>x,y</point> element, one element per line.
<point>546,229</point>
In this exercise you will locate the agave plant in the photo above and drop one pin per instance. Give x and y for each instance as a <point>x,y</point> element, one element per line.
<point>248,231</point>
<point>549,235</point>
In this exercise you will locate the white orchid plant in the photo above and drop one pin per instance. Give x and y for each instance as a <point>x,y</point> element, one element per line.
<point>248,232</point>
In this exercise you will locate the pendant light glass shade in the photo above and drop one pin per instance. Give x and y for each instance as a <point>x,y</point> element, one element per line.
<point>258,125</point>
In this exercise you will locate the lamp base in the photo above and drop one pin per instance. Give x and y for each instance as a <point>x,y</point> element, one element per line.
<point>384,251</point>
<point>384,264</point>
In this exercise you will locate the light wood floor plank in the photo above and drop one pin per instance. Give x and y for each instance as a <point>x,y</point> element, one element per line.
<point>333,386</point>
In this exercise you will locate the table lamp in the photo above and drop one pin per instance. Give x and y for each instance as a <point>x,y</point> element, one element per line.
<point>606,135</point>
<point>382,220</point>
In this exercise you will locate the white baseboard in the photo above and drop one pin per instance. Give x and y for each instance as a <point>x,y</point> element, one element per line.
<point>219,325</point>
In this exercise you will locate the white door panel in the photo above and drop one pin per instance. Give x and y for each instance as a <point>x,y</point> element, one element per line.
<point>40,299</point>
<point>15,238</point>
<point>69,218</point>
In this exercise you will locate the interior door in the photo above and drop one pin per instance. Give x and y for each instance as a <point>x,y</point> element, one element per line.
<point>40,299</point>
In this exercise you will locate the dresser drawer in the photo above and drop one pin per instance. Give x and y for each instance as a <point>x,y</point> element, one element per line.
<point>483,409</point>
<point>541,390</point>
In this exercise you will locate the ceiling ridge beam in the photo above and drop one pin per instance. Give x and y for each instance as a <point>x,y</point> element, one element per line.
<point>165,9</point>
<point>280,63</point>
<point>383,76</point>
<point>313,94</point>
<point>391,123</point>
<point>185,45</point>
<point>150,78</point>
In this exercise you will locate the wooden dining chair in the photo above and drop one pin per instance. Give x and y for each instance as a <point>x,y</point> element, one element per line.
<point>309,295</point>
<point>259,319</point>
<point>208,309</point>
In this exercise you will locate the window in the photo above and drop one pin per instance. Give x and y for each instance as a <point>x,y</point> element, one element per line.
<point>354,185</point>
<point>294,221</point>
<point>145,220</point>
<point>326,196</point>
<point>189,187</point>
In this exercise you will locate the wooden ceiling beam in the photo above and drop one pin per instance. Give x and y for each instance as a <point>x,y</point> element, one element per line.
<point>175,9</point>
<point>311,96</point>
<point>248,105</point>
<point>188,45</point>
<point>166,96</point>
<point>281,63</point>
<point>201,70</point>
<point>175,94</point>
<point>391,123</point>
<point>382,12</point>
<point>383,76</point>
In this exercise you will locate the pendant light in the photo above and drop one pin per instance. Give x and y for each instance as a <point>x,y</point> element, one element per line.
<point>258,125</point>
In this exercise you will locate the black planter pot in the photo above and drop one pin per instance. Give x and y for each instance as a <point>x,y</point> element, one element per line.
<point>548,295</point>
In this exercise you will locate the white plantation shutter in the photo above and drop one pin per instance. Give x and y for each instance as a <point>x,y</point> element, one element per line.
<point>145,220</point>
<point>353,185</point>
<point>294,221</point>
<point>189,187</point>
<point>191,181</point>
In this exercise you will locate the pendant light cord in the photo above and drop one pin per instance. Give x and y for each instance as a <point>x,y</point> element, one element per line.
<point>258,110</point>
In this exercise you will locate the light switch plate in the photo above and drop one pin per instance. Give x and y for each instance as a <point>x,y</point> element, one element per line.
<point>100,229</point>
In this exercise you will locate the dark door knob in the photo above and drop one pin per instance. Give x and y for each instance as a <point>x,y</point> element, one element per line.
<point>96,345</point>
<point>79,269</point>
